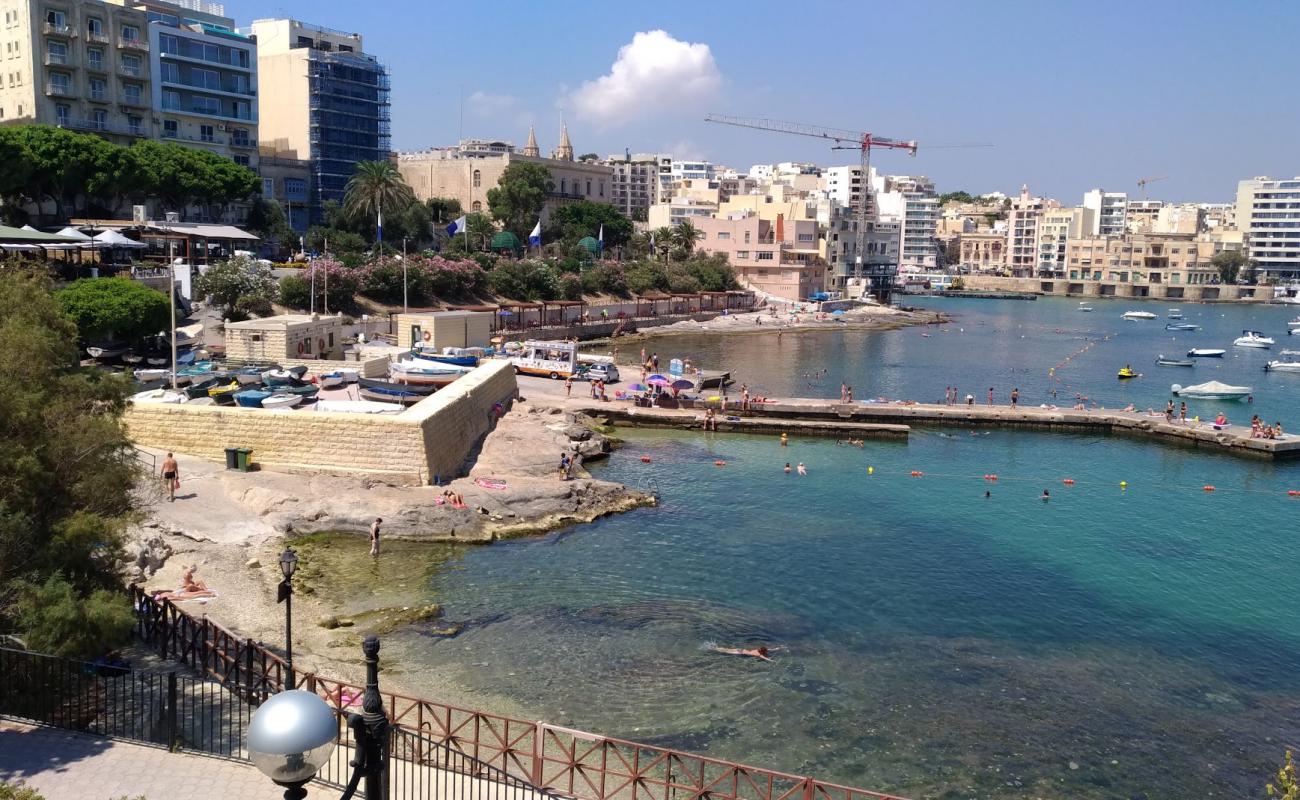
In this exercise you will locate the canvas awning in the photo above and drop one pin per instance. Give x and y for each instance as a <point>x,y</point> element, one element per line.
<point>111,238</point>
<point>21,236</point>
<point>73,233</point>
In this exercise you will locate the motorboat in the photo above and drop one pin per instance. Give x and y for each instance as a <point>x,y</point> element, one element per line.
<point>1174,314</point>
<point>1165,361</point>
<point>1253,339</point>
<point>251,398</point>
<point>282,400</point>
<point>1181,326</point>
<point>1084,307</point>
<point>106,350</point>
<point>1126,373</point>
<point>1294,324</point>
<point>159,396</point>
<point>1205,352</point>
<point>146,375</point>
<point>1212,390</point>
<point>1282,366</point>
<point>1135,315</point>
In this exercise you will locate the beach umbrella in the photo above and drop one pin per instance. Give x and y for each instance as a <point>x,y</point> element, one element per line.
<point>637,387</point>
<point>657,380</point>
<point>682,383</point>
<point>837,312</point>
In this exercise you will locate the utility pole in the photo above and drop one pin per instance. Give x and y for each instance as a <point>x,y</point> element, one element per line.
<point>171,299</point>
<point>405,307</point>
<point>325,276</point>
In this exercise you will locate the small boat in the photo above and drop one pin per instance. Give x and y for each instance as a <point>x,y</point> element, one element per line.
<point>278,375</point>
<point>397,388</point>
<point>159,396</point>
<point>1203,352</point>
<point>145,375</point>
<point>331,381</point>
<point>1294,324</point>
<point>225,389</point>
<point>1126,373</point>
<point>197,368</point>
<point>1134,315</point>
<point>409,372</point>
<point>1253,339</point>
<point>1174,314</point>
<point>456,359</point>
<point>223,399</point>
<point>1084,307</point>
<point>342,375</point>
<point>1181,326</point>
<point>107,350</point>
<point>132,359</point>
<point>282,400</point>
<point>357,407</point>
<point>1211,391</point>
<point>1290,365</point>
<point>381,396</point>
<point>251,398</point>
<point>1163,361</point>
<point>200,389</point>
<point>202,401</point>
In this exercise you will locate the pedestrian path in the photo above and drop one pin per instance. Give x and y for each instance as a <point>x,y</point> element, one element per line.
<point>63,765</point>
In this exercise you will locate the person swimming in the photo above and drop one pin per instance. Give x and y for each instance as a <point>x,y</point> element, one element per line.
<point>1046,495</point>
<point>787,468</point>
<point>761,651</point>
<point>802,469</point>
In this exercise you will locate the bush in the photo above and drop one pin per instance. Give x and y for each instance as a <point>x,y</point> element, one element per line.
<point>646,277</point>
<point>252,306</point>
<point>570,287</point>
<point>527,279</point>
<point>295,292</point>
<point>327,275</point>
<point>108,308</point>
<point>58,622</point>
<point>230,282</point>
<point>605,277</point>
<point>18,791</point>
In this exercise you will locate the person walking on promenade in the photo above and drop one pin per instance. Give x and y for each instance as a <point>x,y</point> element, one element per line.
<point>744,397</point>
<point>374,536</point>
<point>990,395</point>
<point>568,386</point>
<point>171,475</point>
<point>1015,397</point>
<point>1182,412</point>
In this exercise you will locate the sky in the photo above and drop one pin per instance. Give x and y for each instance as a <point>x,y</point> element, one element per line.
<point>1071,95</point>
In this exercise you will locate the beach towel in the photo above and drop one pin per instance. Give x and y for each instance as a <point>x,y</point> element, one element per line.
<point>490,483</point>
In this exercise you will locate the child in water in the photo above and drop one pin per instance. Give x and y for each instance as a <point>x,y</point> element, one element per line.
<point>787,468</point>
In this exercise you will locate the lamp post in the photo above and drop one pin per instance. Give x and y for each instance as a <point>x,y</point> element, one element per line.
<point>288,566</point>
<point>294,733</point>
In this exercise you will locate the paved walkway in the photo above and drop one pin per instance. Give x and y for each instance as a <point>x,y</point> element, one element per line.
<point>63,765</point>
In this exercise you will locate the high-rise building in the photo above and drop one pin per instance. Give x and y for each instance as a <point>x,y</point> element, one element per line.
<point>1268,214</point>
<point>1056,227</point>
<point>1022,232</point>
<point>321,99</point>
<point>912,201</point>
<point>78,64</point>
<point>1110,212</point>
<point>635,183</point>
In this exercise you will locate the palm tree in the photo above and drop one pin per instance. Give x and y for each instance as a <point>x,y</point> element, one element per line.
<point>663,238</point>
<point>685,236</point>
<point>374,186</point>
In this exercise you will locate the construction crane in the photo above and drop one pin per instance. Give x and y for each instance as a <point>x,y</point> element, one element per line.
<point>881,276</point>
<point>1142,183</point>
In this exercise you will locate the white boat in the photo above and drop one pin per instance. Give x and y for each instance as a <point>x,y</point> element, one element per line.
<point>146,375</point>
<point>406,372</point>
<point>282,400</point>
<point>1294,324</point>
<point>1212,390</point>
<point>107,350</point>
<point>1174,314</point>
<point>1253,339</point>
<point>331,381</point>
<point>357,407</point>
<point>159,396</point>
<point>1132,315</point>
<point>1282,366</point>
<point>1084,307</point>
<point>1205,352</point>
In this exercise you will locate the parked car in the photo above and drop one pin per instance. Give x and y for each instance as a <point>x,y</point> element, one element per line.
<point>597,372</point>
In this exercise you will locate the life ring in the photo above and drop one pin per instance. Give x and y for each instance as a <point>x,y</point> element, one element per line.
<point>320,345</point>
<point>427,336</point>
<point>299,348</point>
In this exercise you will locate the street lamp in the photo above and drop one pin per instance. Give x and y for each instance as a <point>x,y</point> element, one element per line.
<point>288,566</point>
<point>294,733</point>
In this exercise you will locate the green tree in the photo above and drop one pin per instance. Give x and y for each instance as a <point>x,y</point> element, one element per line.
<point>685,236</point>
<point>442,210</point>
<point>588,157</point>
<point>66,471</point>
<point>241,286</point>
<point>114,308</point>
<point>1229,264</point>
<point>376,187</point>
<point>17,791</point>
<point>664,241</point>
<point>185,176</point>
<point>266,219</point>
<point>517,199</point>
<point>571,222</point>
<point>1287,786</point>
<point>333,240</point>
<point>61,162</point>
<point>295,292</point>
<point>957,197</point>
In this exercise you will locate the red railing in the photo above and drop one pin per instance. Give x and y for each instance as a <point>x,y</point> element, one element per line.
<point>551,758</point>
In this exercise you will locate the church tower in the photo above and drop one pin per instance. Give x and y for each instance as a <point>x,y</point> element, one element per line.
<point>565,150</point>
<point>531,149</point>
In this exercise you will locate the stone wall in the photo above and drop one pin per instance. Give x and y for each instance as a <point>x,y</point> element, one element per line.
<point>433,437</point>
<point>1063,287</point>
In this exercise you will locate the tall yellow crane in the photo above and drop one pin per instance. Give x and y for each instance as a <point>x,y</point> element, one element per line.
<point>1142,183</point>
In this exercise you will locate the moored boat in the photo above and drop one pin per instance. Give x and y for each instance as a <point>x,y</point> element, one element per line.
<point>407,372</point>
<point>282,400</point>
<point>1282,366</point>
<point>1205,352</point>
<point>1253,339</point>
<point>1135,315</point>
<point>1174,314</point>
<point>107,350</point>
<point>1213,390</point>
<point>1181,326</point>
<point>145,375</point>
<point>251,398</point>
<point>1084,306</point>
<point>1164,361</point>
<point>159,396</point>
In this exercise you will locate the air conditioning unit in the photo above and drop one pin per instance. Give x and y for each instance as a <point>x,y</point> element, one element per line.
<point>173,216</point>
<point>221,127</point>
<point>139,214</point>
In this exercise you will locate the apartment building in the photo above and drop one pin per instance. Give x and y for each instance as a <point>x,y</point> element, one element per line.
<point>982,251</point>
<point>1056,227</point>
<point>1110,212</point>
<point>467,174</point>
<point>1268,214</point>
<point>287,181</point>
<point>321,99</point>
<point>78,64</point>
<point>912,201</point>
<point>1141,215</point>
<point>1180,218</point>
<point>840,247</point>
<point>1147,258</point>
<point>634,184</point>
<point>1023,217</point>
<point>777,257</point>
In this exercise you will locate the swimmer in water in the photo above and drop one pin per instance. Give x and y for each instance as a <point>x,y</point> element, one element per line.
<point>785,440</point>
<point>756,652</point>
<point>802,469</point>
<point>787,468</point>
<point>1046,495</point>
<point>988,495</point>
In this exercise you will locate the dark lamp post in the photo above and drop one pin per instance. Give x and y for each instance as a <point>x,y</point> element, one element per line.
<point>288,566</point>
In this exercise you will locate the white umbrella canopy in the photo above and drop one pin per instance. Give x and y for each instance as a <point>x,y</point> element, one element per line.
<point>112,238</point>
<point>73,233</point>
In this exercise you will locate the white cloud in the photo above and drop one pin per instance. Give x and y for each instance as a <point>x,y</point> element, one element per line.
<point>484,104</point>
<point>653,74</point>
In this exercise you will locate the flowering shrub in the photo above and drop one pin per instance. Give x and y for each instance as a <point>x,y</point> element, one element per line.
<point>426,277</point>
<point>329,275</point>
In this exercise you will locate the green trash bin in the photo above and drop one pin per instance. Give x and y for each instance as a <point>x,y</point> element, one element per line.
<point>245,456</point>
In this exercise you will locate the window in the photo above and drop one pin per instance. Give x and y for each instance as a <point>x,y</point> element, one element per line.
<point>240,137</point>
<point>746,237</point>
<point>170,129</point>
<point>135,125</point>
<point>63,112</point>
<point>206,133</point>
<point>99,119</point>
<point>240,58</point>
<point>130,33</point>
<point>478,179</point>
<point>170,72</point>
<point>268,187</point>
<point>806,237</point>
<point>588,188</point>
<point>131,93</point>
<point>98,89</point>
<point>477,206</point>
<point>56,53</point>
<point>205,105</point>
<point>742,254</point>
<point>724,235</point>
<point>59,83</point>
<point>295,188</point>
<point>56,19</point>
<point>95,58</point>
<point>94,26</point>
<point>171,100</point>
<point>241,110</point>
<point>169,44</point>
<point>241,160</point>
<point>206,78</point>
<point>564,185</point>
<point>764,255</point>
<point>238,83</point>
<point>131,65</point>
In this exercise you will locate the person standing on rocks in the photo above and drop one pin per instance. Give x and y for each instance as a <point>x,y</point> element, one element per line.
<point>374,536</point>
<point>564,467</point>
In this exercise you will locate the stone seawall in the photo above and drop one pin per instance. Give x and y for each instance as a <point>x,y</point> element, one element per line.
<point>433,437</point>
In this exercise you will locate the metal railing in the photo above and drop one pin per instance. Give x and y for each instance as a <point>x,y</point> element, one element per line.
<point>547,758</point>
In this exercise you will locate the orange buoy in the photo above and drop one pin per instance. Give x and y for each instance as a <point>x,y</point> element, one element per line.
<point>645,459</point>
<point>917,473</point>
<point>1208,488</point>
<point>1293,493</point>
<point>991,477</point>
<point>1068,481</point>
<point>719,463</point>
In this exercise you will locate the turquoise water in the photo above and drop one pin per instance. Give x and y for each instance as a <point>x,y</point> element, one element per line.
<point>1109,642</point>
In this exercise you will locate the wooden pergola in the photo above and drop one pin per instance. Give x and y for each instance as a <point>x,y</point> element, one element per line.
<point>653,298</point>
<point>486,309</point>
<point>561,306</point>
<point>510,309</point>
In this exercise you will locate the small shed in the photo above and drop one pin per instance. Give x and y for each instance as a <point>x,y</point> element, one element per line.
<point>441,329</point>
<point>285,336</point>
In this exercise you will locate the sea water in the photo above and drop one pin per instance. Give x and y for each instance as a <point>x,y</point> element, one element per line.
<point>943,634</point>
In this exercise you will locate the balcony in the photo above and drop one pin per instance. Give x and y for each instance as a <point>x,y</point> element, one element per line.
<point>244,142</point>
<point>58,60</point>
<point>58,89</point>
<point>59,30</point>
<point>100,96</point>
<point>100,127</point>
<point>96,65</point>
<point>96,37</point>
<point>133,44</point>
<point>138,100</point>
<point>130,72</point>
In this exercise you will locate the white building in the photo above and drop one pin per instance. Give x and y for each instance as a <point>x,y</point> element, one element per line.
<point>1268,215</point>
<point>1110,212</point>
<point>912,201</point>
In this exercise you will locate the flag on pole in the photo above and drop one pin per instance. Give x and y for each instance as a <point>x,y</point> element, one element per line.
<point>601,237</point>
<point>535,238</point>
<point>457,226</point>
<point>379,227</point>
